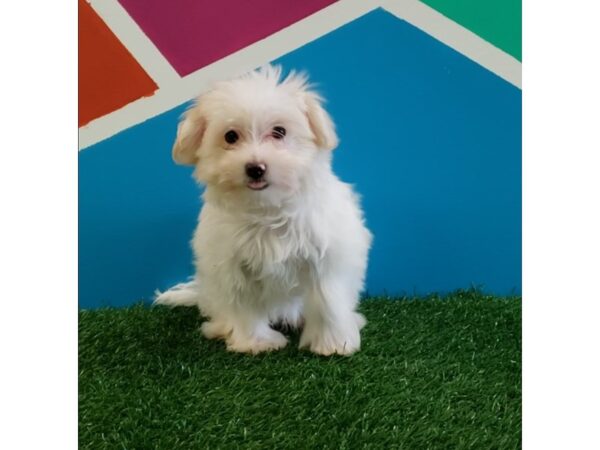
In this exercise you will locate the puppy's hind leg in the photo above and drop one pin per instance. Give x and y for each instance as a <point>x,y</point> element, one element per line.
<point>182,294</point>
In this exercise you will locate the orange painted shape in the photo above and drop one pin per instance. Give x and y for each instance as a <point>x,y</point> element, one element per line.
<point>109,76</point>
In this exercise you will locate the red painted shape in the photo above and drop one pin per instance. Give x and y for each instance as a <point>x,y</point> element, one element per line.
<point>194,33</point>
<point>109,77</point>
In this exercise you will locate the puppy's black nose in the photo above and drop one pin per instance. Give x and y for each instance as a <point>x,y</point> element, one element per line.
<point>255,171</point>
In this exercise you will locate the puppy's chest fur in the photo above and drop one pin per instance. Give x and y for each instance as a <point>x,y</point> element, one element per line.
<point>279,252</point>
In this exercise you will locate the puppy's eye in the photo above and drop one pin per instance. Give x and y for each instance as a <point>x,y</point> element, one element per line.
<point>278,132</point>
<point>231,137</point>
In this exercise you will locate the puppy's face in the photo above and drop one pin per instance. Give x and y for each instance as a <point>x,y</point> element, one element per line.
<point>256,135</point>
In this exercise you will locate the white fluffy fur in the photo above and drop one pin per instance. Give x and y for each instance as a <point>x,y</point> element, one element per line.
<point>294,253</point>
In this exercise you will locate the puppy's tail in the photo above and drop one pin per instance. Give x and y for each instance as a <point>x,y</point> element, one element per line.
<point>182,294</point>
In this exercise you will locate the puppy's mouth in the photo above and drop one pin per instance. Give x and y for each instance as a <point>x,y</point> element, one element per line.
<point>257,185</point>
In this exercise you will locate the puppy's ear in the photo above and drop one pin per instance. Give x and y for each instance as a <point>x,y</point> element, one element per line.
<point>320,122</point>
<point>189,137</point>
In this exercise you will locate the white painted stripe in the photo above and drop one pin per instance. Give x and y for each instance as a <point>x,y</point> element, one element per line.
<point>457,37</point>
<point>136,41</point>
<point>175,92</point>
<point>261,52</point>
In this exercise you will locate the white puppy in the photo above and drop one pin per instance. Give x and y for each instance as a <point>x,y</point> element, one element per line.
<point>280,240</point>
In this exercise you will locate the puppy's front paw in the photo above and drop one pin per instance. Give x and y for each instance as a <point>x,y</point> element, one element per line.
<point>265,342</point>
<point>213,329</point>
<point>328,341</point>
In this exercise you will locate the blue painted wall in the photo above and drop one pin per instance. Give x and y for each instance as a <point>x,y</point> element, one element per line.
<point>431,140</point>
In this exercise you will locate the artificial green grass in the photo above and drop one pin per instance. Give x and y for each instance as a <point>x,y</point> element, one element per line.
<point>436,373</point>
